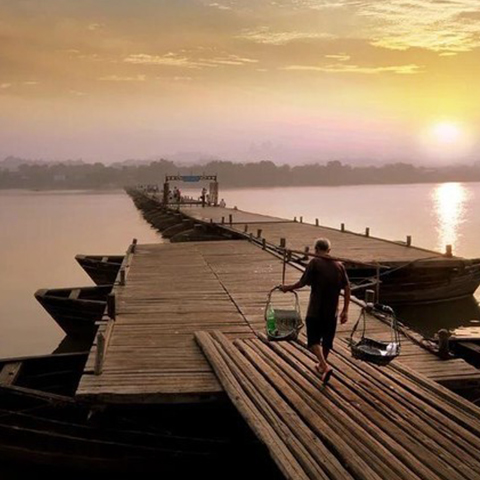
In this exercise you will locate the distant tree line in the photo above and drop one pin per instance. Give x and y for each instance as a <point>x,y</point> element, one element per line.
<point>81,175</point>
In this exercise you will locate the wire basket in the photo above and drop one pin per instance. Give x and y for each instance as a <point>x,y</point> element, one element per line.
<point>282,323</point>
<point>378,352</point>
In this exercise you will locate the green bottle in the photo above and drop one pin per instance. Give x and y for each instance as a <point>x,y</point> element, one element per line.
<point>271,323</point>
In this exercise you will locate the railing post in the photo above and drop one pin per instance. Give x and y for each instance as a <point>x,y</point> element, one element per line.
<point>99,354</point>
<point>122,276</point>
<point>111,305</point>
<point>342,227</point>
<point>317,222</point>
<point>409,240</point>
<point>259,233</point>
<point>448,251</point>
<point>367,232</point>
<point>443,343</point>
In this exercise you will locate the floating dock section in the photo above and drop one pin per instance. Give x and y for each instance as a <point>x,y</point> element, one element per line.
<point>172,291</point>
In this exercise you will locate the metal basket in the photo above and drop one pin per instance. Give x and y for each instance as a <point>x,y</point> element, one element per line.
<point>376,351</point>
<point>288,322</point>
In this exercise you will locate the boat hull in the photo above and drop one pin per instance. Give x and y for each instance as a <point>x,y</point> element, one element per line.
<point>76,310</point>
<point>416,285</point>
<point>102,269</point>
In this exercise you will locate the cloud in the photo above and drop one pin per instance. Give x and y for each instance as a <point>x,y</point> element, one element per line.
<point>437,25</point>
<point>265,35</point>
<point>175,60</point>
<point>219,6</point>
<point>431,24</point>
<point>341,57</point>
<point>95,26</point>
<point>116,78</point>
<point>348,68</point>
<point>169,59</point>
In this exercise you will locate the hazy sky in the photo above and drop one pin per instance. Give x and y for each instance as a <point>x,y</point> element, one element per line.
<point>288,80</point>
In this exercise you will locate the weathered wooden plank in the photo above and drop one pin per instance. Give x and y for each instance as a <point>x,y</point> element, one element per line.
<point>9,373</point>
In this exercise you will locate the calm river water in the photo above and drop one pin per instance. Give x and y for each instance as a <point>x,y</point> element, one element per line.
<point>41,232</point>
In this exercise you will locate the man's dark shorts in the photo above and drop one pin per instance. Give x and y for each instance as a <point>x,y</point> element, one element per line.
<point>321,331</point>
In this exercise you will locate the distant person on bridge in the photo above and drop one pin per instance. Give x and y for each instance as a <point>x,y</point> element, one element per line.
<point>326,277</point>
<point>222,203</point>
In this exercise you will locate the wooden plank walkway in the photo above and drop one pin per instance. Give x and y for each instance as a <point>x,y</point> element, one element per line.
<point>300,235</point>
<point>367,424</point>
<point>173,290</point>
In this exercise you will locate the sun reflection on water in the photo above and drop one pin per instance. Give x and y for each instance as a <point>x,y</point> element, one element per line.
<point>449,207</point>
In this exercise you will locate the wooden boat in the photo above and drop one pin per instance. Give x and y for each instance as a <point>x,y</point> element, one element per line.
<point>41,423</point>
<point>102,269</point>
<point>423,281</point>
<point>75,309</point>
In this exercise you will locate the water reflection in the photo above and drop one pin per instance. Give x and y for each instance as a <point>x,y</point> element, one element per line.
<point>428,319</point>
<point>450,209</point>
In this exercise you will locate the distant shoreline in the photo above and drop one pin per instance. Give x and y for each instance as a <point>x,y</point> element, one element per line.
<point>189,187</point>
<point>264,174</point>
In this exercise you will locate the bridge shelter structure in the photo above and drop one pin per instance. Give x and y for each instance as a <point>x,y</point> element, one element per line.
<point>212,186</point>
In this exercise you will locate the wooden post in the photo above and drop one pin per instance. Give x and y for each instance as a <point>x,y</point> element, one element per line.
<point>99,354</point>
<point>223,220</point>
<point>301,219</point>
<point>367,232</point>
<point>283,242</point>
<point>264,244</point>
<point>443,343</point>
<point>134,245</point>
<point>245,229</point>
<point>369,296</point>
<point>122,276</point>
<point>342,227</point>
<point>230,219</point>
<point>211,221</point>
<point>317,222</point>
<point>409,240</point>
<point>294,219</point>
<point>111,305</point>
<point>449,251</point>
<point>259,233</point>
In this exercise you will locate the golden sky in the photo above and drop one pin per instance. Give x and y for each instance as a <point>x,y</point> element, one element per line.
<point>291,80</point>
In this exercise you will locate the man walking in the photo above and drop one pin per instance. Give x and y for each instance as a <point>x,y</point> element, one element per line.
<point>326,277</point>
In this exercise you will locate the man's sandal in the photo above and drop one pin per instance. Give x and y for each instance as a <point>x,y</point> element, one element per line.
<point>327,375</point>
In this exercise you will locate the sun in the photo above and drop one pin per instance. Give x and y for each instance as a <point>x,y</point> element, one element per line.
<point>447,140</point>
<point>446,132</point>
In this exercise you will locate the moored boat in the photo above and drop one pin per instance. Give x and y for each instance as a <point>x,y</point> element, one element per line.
<point>44,426</point>
<point>422,281</point>
<point>102,269</point>
<point>75,309</point>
